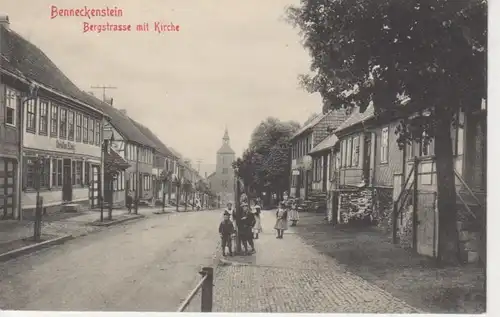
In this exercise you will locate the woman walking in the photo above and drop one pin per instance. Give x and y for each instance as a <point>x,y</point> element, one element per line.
<point>281,221</point>
<point>257,228</point>
<point>294,213</point>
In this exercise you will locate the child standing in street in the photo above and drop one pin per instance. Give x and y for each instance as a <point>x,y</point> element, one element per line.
<point>226,229</point>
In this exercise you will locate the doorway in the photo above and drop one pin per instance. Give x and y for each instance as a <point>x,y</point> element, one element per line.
<point>94,185</point>
<point>67,188</point>
<point>8,200</point>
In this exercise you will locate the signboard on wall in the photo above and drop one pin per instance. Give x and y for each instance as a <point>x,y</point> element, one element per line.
<point>65,145</point>
<point>295,172</point>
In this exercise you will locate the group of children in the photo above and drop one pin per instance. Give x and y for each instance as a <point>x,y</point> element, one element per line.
<point>250,225</point>
<point>248,228</point>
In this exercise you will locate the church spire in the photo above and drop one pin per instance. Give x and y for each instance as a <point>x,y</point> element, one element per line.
<point>225,138</point>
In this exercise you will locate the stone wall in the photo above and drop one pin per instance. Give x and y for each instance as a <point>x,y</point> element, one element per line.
<point>356,205</point>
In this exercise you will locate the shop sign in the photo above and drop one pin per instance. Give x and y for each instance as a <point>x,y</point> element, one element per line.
<point>65,145</point>
<point>295,172</point>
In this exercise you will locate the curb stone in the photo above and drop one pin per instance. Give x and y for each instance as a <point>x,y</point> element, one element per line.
<point>32,248</point>
<point>115,222</point>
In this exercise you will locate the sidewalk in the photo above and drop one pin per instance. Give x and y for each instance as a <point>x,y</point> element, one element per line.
<point>286,275</point>
<point>371,255</point>
<point>63,224</point>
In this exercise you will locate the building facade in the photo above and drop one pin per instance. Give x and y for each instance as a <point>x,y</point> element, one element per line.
<point>54,124</point>
<point>304,141</point>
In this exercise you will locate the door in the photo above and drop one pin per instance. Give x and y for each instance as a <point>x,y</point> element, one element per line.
<point>67,187</point>
<point>8,201</point>
<point>427,215</point>
<point>94,186</point>
<point>367,157</point>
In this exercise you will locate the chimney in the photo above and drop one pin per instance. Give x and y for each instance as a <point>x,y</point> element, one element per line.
<point>4,20</point>
<point>123,111</point>
<point>206,175</point>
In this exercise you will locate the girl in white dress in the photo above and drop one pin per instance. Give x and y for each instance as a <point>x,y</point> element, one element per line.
<point>257,228</point>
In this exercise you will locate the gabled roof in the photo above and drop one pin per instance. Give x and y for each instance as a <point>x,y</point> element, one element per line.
<point>114,159</point>
<point>21,57</point>
<point>225,149</point>
<point>310,125</point>
<point>122,123</point>
<point>175,152</point>
<point>326,144</point>
<point>356,117</point>
<point>160,146</point>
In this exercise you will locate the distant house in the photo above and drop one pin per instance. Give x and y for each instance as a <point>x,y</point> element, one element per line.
<point>162,163</point>
<point>302,142</point>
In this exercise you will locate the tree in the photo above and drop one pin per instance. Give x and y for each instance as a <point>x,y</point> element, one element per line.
<point>406,57</point>
<point>264,166</point>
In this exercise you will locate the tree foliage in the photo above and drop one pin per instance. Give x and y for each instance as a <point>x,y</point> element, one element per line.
<point>265,164</point>
<point>404,57</point>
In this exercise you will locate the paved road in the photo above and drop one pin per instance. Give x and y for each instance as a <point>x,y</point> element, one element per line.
<point>146,265</point>
<point>289,276</point>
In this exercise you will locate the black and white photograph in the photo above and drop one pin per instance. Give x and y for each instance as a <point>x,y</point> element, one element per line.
<point>285,156</point>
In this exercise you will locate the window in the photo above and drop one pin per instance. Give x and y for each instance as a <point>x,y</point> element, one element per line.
<point>409,150</point>
<point>384,145</point>
<point>91,131</point>
<point>426,172</point>
<point>29,167</point>
<point>85,129</point>
<point>77,172</point>
<point>88,174</point>
<point>224,170</point>
<point>344,153</point>
<point>425,147</point>
<point>30,173</point>
<point>31,116</point>
<point>56,172</point>
<point>71,125</point>
<point>458,137</point>
<point>44,112</point>
<point>355,151</point>
<point>53,120</point>
<point>348,161</point>
<point>97,133</point>
<point>78,128</point>
<point>11,103</point>
<point>331,163</point>
<point>63,123</point>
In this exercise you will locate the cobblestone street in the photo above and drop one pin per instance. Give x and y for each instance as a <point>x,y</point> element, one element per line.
<point>289,276</point>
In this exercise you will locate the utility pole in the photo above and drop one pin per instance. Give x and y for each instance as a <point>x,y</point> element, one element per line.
<point>103,87</point>
<point>199,161</point>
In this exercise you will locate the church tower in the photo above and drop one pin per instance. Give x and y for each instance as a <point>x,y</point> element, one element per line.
<point>224,170</point>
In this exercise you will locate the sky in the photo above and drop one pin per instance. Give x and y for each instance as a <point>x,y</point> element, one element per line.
<point>232,63</point>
